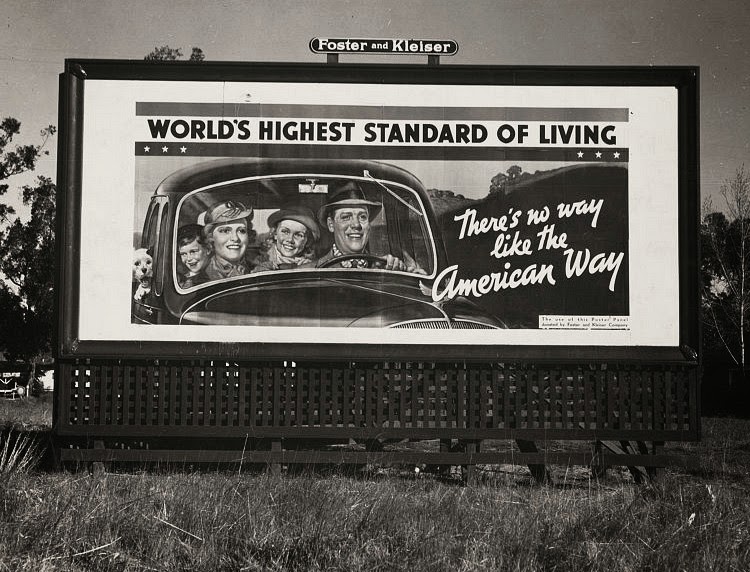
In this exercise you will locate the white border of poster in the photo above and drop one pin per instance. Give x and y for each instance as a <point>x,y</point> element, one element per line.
<point>111,197</point>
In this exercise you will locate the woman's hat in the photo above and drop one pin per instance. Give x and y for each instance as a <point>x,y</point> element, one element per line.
<point>302,215</point>
<point>350,194</point>
<point>225,212</point>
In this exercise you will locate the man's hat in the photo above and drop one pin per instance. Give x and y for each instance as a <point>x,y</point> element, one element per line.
<point>302,215</point>
<point>222,213</point>
<point>350,194</point>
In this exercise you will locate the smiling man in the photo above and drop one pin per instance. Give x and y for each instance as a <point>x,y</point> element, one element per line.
<point>348,216</point>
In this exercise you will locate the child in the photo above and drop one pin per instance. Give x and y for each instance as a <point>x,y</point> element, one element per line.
<point>291,243</point>
<point>194,254</point>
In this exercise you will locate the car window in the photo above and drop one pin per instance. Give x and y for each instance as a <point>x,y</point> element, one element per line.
<point>148,238</point>
<point>397,226</point>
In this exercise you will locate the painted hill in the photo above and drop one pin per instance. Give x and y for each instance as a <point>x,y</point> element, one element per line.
<point>445,201</point>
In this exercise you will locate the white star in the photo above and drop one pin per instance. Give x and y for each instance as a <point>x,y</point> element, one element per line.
<point>164,149</point>
<point>616,154</point>
<point>183,149</point>
<point>598,154</point>
<point>580,154</point>
<point>146,149</point>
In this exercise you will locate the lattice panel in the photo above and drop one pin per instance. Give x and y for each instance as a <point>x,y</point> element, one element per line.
<point>395,396</point>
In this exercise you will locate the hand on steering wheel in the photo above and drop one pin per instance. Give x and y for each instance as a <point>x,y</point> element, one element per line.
<point>376,261</point>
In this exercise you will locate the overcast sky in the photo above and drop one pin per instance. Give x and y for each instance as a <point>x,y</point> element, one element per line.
<point>38,35</point>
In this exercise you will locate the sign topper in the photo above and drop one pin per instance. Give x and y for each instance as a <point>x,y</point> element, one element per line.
<point>384,46</point>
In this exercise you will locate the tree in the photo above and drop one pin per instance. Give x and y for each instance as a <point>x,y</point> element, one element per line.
<point>501,183</point>
<point>18,160</point>
<point>514,171</point>
<point>167,54</point>
<point>27,252</point>
<point>725,267</point>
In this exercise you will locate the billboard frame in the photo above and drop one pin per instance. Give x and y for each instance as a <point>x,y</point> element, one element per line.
<point>72,88</point>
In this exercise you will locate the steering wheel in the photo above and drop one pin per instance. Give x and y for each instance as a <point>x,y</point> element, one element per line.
<point>377,261</point>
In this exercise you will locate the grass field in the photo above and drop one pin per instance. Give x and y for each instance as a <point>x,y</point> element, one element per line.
<point>173,520</point>
<point>27,413</point>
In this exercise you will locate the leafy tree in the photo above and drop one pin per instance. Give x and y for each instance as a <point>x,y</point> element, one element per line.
<point>499,184</point>
<point>167,54</point>
<point>725,269</point>
<point>20,159</point>
<point>502,182</point>
<point>196,55</point>
<point>27,252</point>
<point>514,172</point>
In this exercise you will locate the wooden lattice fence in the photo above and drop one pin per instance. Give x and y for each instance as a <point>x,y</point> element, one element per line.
<point>173,410</point>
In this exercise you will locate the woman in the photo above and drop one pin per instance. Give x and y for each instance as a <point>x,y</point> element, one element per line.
<point>228,231</point>
<point>294,234</point>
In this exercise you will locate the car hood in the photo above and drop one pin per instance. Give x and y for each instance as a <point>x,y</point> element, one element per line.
<point>324,301</point>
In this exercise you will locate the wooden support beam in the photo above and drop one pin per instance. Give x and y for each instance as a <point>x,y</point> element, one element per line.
<point>656,449</point>
<point>598,468</point>
<point>469,455</point>
<point>538,471</point>
<point>275,465</point>
<point>97,467</point>
<point>446,446</point>
<point>468,471</point>
<point>640,475</point>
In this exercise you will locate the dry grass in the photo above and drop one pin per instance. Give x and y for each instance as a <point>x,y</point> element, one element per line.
<point>29,413</point>
<point>173,520</point>
<point>19,453</point>
<point>228,522</point>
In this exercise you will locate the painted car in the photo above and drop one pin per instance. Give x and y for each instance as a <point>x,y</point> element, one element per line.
<point>318,294</point>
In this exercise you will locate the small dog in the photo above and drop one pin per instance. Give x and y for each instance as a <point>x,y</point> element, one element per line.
<point>142,273</point>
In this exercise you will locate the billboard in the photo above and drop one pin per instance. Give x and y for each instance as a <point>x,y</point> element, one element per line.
<point>368,211</point>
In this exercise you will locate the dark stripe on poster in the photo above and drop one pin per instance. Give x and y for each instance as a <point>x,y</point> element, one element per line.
<point>375,152</point>
<point>171,109</point>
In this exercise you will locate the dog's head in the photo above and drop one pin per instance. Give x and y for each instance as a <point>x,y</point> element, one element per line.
<point>142,266</point>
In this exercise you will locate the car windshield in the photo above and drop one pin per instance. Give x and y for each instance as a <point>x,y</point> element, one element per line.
<point>312,223</point>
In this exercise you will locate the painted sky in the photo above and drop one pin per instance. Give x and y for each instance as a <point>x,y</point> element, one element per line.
<point>38,35</point>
